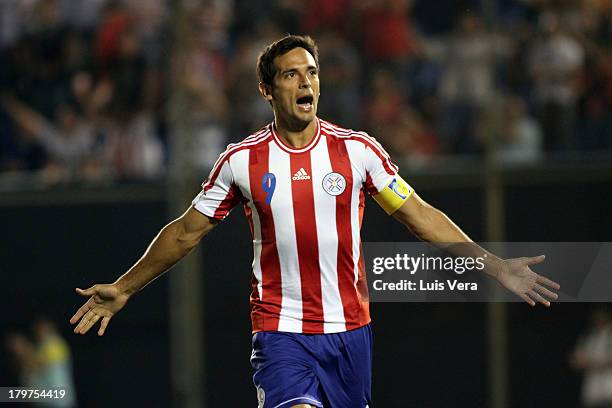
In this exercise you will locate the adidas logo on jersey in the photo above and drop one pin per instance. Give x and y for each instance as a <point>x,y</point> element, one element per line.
<point>301,175</point>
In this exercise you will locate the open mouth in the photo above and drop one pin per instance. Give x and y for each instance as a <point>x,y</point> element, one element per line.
<point>305,103</point>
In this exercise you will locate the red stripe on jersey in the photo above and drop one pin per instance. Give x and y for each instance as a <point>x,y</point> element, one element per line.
<point>362,290</point>
<point>361,206</point>
<point>362,286</point>
<point>249,215</point>
<point>257,313</point>
<point>269,304</point>
<point>340,162</point>
<point>307,245</point>
<point>230,201</point>
<point>255,296</point>
<point>370,186</point>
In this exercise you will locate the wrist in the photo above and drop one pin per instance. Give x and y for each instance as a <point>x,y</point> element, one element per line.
<point>123,287</point>
<point>495,266</point>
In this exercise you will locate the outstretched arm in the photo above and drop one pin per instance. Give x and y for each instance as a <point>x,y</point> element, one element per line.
<point>432,225</point>
<point>30,120</point>
<point>172,243</point>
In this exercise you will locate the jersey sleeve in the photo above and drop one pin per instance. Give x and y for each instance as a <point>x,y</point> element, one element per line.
<point>219,194</point>
<point>383,182</point>
<point>379,168</point>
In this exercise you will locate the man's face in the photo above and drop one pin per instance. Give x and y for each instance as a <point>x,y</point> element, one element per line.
<point>295,90</point>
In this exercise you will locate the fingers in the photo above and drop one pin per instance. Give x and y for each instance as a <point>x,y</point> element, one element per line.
<point>89,314</point>
<point>87,322</point>
<point>90,323</point>
<point>83,321</point>
<point>535,260</point>
<point>548,282</point>
<point>536,296</point>
<point>549,294</point>
<point>527,299</point>
<point>103,325</point>
<point>79,313</point>
<point>86,292</point>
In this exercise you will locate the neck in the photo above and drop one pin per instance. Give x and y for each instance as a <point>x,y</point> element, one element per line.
<point>296,136</point>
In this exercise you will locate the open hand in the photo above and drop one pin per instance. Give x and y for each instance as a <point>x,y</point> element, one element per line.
<point>103,303</point>
<point>518,278</point>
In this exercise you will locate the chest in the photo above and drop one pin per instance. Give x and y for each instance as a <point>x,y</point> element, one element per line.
<point>295,183</point>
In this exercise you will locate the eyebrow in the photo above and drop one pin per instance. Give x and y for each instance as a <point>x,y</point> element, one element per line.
<point>310,67</point>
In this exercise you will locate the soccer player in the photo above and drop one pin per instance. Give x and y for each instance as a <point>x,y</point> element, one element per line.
<point>302,181</point>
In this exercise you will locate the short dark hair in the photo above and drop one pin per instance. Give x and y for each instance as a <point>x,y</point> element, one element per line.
<point>265,63</point>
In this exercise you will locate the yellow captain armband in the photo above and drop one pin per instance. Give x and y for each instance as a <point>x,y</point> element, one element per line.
<point>394,194</point>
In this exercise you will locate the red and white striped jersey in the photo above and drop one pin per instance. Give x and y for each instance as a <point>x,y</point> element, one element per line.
<point>304,208</point>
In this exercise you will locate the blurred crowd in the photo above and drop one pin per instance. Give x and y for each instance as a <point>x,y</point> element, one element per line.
<point>592,357</point>
<point>42,359</point>
<point>85,87</point>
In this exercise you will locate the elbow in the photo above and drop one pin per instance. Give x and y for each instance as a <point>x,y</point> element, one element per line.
<point>187,244</point>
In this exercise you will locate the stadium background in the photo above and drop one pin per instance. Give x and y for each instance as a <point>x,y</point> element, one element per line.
<point>111,113</point>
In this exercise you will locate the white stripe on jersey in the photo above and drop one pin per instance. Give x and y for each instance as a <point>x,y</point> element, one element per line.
<point>240,165</point>
<point>327,234</point>
<point>355,151</point>
<point>284,226</point>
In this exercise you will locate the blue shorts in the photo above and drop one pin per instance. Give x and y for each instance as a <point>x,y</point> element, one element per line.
<point>324,370</point>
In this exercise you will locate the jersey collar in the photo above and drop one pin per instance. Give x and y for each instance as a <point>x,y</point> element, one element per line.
<point>279,141</point>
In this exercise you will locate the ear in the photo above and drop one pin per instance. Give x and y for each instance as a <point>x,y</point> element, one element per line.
<point>265,91</point>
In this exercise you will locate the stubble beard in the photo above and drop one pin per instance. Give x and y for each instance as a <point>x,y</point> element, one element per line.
<point>293,123</point>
